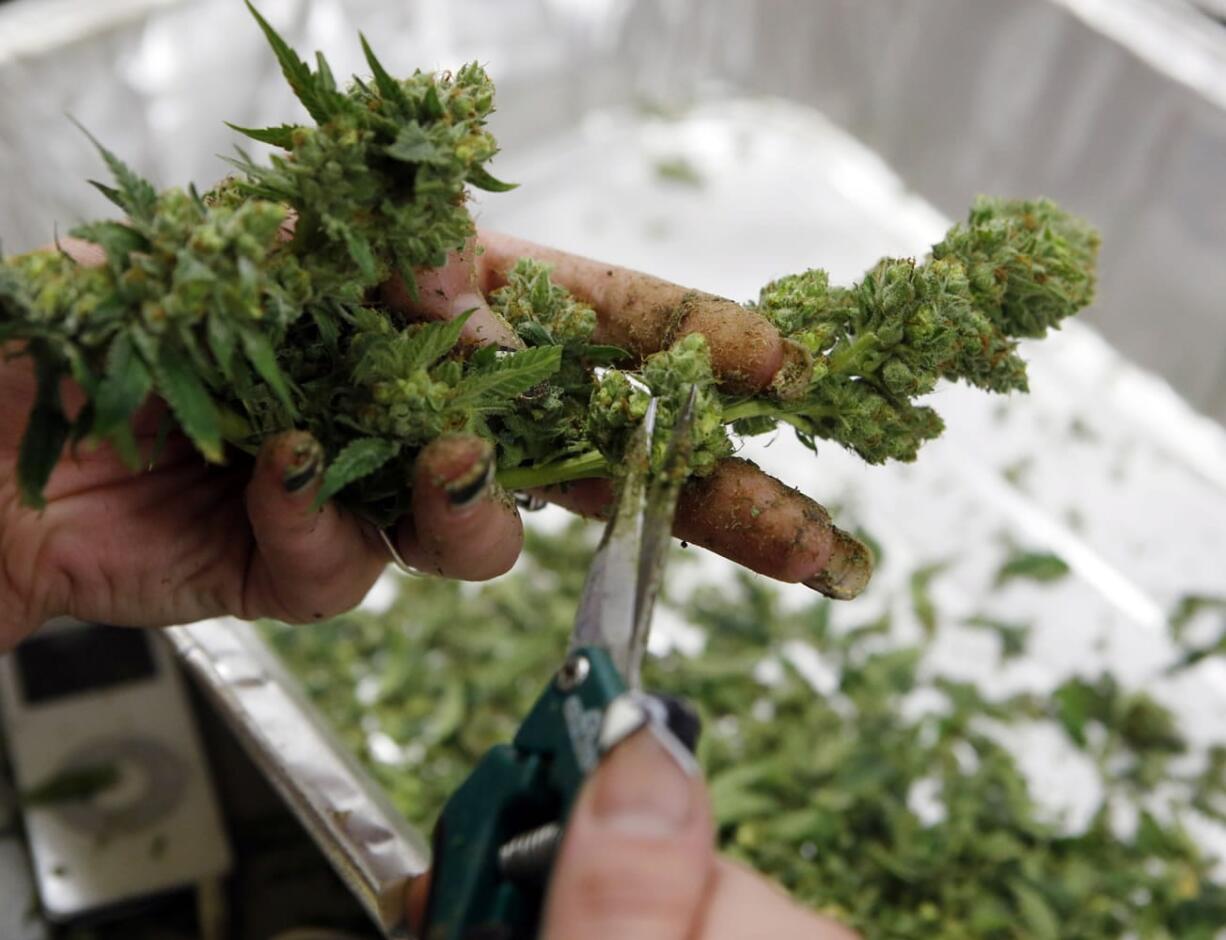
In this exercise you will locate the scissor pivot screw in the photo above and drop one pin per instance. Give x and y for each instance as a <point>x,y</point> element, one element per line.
<point>573,672</point>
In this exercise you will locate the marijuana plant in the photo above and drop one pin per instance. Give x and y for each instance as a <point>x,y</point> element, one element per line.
<point>253,308</point>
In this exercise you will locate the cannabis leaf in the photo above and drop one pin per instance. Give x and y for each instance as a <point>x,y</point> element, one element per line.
<point>45,435</point>
<point>359,459</point>
<point>512,375</point>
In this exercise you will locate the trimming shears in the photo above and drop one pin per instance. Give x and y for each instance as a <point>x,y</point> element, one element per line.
<point>496,838</point>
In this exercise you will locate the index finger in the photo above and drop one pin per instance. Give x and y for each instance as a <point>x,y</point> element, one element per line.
<point>645,314</point>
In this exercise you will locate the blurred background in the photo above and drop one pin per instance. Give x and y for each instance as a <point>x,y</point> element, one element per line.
<point>721,143</point>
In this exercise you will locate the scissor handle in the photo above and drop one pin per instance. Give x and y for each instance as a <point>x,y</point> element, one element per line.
<point>495,839</point>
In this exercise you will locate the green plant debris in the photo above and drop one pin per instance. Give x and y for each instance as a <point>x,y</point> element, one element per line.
<point>1013,637</point>
<point>819,792</point>
<point>1190,608</point>
<point>208,301</point>
<point>75,785</point>
<point>679,170</point>
<point>1032,566</point>
<point>922,604</point>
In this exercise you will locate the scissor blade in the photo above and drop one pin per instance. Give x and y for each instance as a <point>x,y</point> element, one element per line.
<point>607,608</point>
<point>657,531</point>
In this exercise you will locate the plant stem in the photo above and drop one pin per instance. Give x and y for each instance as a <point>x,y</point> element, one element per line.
<point>590,464</point>
<point>843,360</point>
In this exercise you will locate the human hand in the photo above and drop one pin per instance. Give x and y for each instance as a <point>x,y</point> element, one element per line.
<point>183,540</point>
<point>638,863</point>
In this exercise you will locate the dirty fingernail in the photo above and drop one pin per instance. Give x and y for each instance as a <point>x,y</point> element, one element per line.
<point>642,790</point>
<point>304,466</point>
<point>847,572</point>
<point>472,482</point>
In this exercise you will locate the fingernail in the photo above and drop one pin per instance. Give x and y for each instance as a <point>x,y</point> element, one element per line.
<point>468,486</point>
<point>642,790</point>
<point>304,466</point>
<point>847,572</point>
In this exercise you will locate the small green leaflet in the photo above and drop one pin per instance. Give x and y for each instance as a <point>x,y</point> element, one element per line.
<point>431,342</point>
<point>359,459</point>
<point>359,251</point>
<point>297,72</point>
<point>45,434</point>
<point>514,374</point>
<point>134,195</point>
<point>263,357</point>
<point>478,176</point>
<point>388,87</point>
<point>280,136</point>
<point>179,384</point>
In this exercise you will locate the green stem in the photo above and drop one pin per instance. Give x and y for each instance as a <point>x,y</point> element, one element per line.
<point>590,464</point>
<point>845,360</point>
<point>765,408</point>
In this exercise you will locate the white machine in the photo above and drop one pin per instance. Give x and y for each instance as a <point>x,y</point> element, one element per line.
<point>85,702</point>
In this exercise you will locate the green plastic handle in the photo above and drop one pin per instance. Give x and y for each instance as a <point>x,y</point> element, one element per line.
<point>517,789</point>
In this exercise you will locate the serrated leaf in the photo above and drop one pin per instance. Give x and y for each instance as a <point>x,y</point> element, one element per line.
<point>45,433</point>
<point>296,71</point>
<point>115,238</point>
<point>361,253</point>
<point>120,393</point>
<point>263,358</point>
<point>414,145</point>
<point>359,459</point>
<point>325,80</point>
<point>480,177</point>
<point>388,87</point>
<point>190,401</point>
<point>280,136</point>
<point>429,343</point>
<point>515,374</point>
<point>112,194</point>
<point>134,194</point>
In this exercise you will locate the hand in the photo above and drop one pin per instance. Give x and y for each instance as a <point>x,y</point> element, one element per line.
<point>183,540</point>
<point>638,863</point>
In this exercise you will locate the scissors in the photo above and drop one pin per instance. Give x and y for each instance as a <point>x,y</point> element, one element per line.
<point>497,836</point>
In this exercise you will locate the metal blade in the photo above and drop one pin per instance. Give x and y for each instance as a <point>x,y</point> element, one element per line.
<point>607,609</point>
<point>658,531</point>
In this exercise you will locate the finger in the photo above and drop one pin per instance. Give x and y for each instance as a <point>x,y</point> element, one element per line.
<point>445,293</point>
<point>416,897</point>
<point>462,525</point>
<point>637,853</point>
<point>309,563</point>
<point>645,314</point>
<point>754,520</point>
<point>741,903</point>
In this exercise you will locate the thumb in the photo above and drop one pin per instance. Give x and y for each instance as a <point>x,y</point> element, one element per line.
<point>638,850</point>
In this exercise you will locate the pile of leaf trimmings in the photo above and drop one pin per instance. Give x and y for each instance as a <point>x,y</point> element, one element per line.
<point>821,792</point>
<point>204,302</point>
